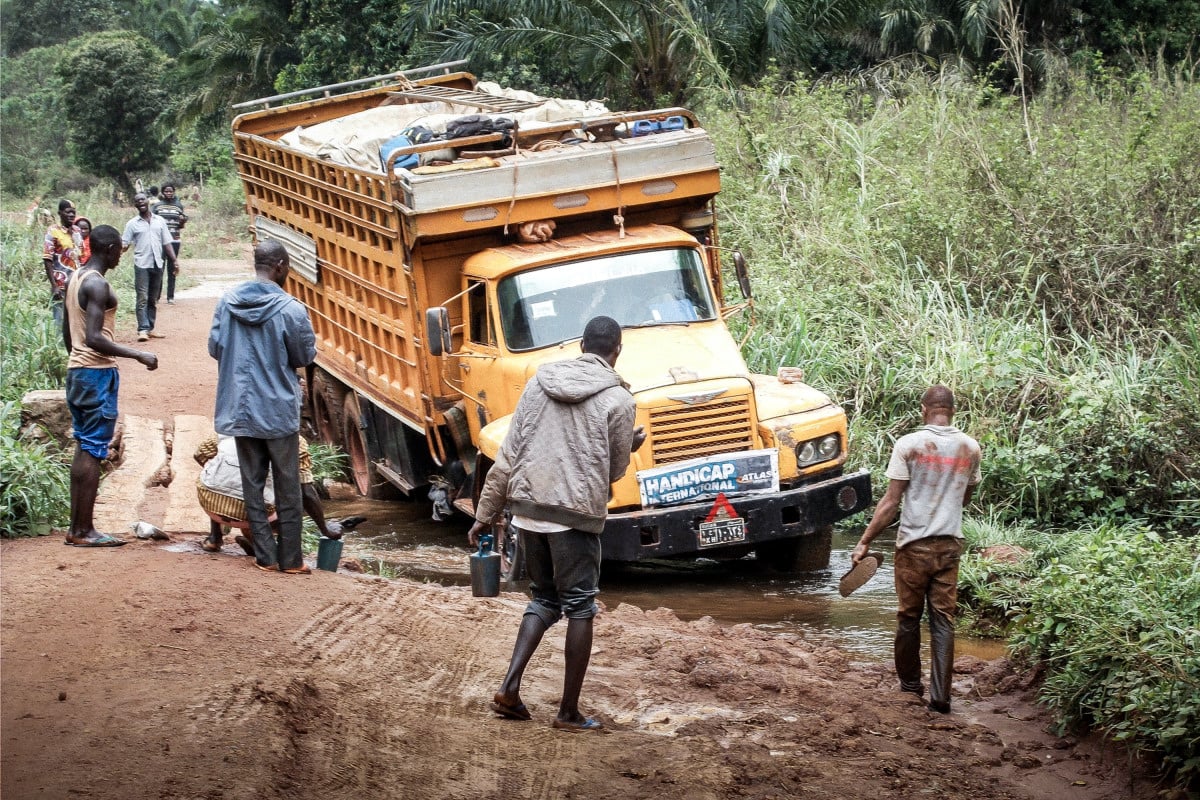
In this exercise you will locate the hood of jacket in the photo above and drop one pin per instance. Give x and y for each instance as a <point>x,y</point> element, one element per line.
<point>577,379</point>
<point>255,302</point>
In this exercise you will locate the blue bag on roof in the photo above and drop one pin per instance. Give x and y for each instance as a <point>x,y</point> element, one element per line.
<point>642,127</point>
<point>392,145</point>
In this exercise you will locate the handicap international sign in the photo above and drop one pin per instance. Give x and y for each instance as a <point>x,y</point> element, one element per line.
<point>734,474</point>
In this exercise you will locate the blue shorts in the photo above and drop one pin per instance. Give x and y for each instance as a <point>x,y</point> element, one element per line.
<point>564,574</point>
<point>92,398</point>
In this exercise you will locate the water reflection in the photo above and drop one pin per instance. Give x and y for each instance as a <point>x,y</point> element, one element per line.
<point>404,540</point>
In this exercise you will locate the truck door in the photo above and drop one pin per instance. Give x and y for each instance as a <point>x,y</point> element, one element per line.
<point>479,354</point>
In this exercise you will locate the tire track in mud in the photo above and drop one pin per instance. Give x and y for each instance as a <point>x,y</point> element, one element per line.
<point>365,662</point>
<point>341,750</point>
<point>344,719</point>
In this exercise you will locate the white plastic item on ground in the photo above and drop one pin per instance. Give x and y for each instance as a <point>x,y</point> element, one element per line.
<point>144,530</point>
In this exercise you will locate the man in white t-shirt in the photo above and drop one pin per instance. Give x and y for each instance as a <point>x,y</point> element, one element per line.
<point>150,239</point>
<point>934,472</point>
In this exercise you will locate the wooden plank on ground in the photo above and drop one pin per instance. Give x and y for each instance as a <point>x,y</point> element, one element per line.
<point>184,514</point>
<point>121,492</point>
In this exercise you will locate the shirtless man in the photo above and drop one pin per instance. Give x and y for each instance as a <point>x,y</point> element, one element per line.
<point>90,309</point>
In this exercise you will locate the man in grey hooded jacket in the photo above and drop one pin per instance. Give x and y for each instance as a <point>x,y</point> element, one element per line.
<point>260,336</point>
<point>570,438</point>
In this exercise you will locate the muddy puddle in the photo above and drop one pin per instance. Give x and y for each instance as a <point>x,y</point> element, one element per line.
<point>401,539</point>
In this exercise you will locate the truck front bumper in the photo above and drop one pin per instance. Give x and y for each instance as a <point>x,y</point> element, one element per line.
<point>675,530</point>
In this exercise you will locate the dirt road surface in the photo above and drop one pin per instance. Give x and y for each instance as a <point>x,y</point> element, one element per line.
<point>155,670</point>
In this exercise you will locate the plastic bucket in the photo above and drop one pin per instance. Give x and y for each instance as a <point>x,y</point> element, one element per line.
<point>329,554</point>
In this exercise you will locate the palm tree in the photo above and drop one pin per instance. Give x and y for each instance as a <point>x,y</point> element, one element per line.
<point>237,56</point>
<point>650,51</point>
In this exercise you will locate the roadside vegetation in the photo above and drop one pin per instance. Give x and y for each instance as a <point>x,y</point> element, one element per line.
<point>1045,263</point>
<point>925,194</point>
<point>34,476</point>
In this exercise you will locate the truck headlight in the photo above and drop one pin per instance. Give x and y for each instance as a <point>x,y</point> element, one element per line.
<point>815,451</point>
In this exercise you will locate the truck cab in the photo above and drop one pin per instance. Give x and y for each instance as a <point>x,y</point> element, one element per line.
<point>525,305</point>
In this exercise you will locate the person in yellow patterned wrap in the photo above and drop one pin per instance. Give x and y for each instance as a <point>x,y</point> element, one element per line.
<point>219,491</point>
<point>61,254</point>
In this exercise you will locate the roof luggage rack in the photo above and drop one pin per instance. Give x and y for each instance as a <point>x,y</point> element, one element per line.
<point>464,97</point>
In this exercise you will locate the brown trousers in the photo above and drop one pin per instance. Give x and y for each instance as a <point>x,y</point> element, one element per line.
<point>927,577</point>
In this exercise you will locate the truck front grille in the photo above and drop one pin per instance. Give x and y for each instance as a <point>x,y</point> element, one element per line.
<point>678,433</point>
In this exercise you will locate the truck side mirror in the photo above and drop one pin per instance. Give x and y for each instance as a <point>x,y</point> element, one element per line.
<point>437,331</point>
<point>742,273</point>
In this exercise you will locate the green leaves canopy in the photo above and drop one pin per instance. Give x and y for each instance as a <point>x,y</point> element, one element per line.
<point>117,104</point>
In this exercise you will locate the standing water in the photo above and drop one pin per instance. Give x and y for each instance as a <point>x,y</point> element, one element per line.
<point>401,539</point>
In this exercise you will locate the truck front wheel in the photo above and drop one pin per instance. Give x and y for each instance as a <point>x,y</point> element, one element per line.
<point>801,554</point>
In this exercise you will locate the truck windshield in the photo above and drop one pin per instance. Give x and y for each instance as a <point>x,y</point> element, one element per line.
<point>547,306</point>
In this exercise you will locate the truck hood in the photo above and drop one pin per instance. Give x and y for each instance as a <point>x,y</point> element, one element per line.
<point>667,355</point>
<point>673,354</point>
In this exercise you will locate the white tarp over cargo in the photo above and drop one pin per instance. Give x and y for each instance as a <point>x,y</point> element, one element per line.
<point>354,140</point>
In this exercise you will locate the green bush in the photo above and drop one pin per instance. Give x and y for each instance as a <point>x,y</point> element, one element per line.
<point>992,591</point>
<point>1113,621</point>
<point>35,481</point>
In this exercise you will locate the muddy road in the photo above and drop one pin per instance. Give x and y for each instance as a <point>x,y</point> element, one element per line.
<point>155,670</point>
<point>403,539</point>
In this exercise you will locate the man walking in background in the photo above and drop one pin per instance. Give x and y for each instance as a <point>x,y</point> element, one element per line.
<point>90,311</point>
<point>171,210</point>
<point>934,472</point>
<point>570,439</point>
<point>260,336</point>
<point>151,242</point>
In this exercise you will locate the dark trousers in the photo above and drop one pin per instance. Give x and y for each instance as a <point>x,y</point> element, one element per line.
<point>282,457</point>
<point>564,574</point>
<point>148,285</point>
<point>927,578</point>
<point>171,273</point>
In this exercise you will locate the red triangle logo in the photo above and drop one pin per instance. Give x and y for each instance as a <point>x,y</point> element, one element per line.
<point>721,508</point>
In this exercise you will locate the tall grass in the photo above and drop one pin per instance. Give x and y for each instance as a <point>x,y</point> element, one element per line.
<point>34,477</point>
<point>32,355</point>
<point>911,232</point>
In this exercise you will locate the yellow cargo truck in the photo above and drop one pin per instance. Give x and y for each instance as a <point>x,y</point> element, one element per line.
<point>448,236</point>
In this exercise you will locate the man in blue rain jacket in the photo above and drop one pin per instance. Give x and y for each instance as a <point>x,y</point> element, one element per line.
<point>260,336</point>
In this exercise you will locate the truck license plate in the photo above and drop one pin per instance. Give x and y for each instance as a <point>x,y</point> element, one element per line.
<point>728,530</point>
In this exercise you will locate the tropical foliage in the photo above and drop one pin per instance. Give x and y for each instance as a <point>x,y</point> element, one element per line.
<point>116,102</point>
<point>913,237</point>
<point>1113,622</point>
